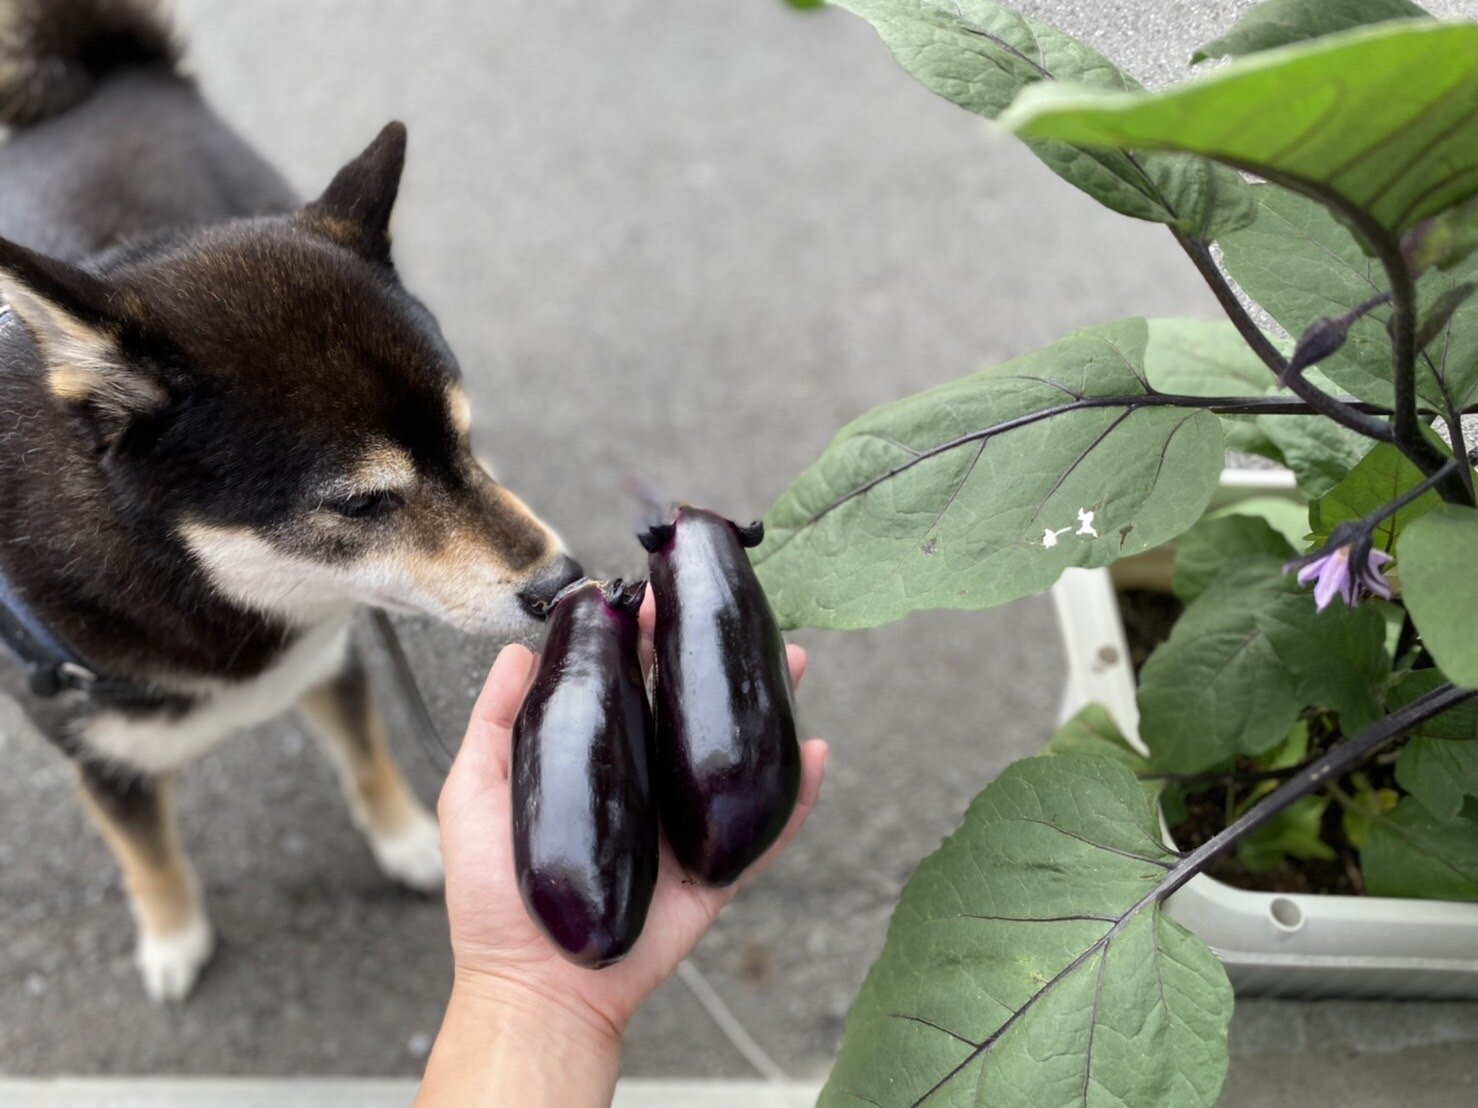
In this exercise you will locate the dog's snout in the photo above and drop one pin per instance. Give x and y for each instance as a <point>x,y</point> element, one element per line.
<point>540,593</point>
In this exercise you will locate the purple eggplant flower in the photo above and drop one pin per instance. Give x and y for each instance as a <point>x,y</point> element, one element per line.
<point>1343,569</point>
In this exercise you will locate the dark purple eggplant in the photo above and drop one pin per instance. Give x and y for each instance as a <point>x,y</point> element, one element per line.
<point>728,766</point>
<point>584,823</point>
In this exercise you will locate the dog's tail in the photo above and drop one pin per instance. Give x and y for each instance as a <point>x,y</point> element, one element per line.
<point>52,52</point>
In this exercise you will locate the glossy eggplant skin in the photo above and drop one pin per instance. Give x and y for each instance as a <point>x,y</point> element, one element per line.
<point>728,766</point>
<point>584,822</point>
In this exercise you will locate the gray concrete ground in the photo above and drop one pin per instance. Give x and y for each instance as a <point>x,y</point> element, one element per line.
<point>359,1092</point>
<point>687,241</point>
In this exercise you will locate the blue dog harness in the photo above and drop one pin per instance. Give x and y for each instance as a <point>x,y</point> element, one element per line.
<point>51,667</point>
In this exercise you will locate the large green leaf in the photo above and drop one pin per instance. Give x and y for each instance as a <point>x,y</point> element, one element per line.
<point>1029,964</point>
<point>1439,764</point>
<point>1410,852</point>
<point>1301,264</point>
<point>1445,239</point>
<point>1287,517</point>
<point>1205,358</point>
<point>1216,543</point>
<point>1248,654</point>
<point>1435,557</point>
<point>1320,452</point>
<point>1216,688</point>
<point>980,54</point>
<point>1195,357</point>
<point>1337,656</point>
<point>1283,22</point>
<point>985,490</point>
<point>1456,725</point>
<point>1093,731</point>
<point>1440,773</point>
<point>1380,477</point>
<point>1438,318</point>
<point>1381,122</point>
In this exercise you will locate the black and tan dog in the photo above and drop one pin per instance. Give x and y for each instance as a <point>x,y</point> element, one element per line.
<point>223,424</point>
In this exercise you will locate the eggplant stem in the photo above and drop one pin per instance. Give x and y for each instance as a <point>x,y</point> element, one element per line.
<point>752,535</point>
<point>573,586</point>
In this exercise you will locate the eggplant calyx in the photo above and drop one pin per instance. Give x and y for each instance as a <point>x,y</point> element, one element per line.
<point>657,536</point>
<point>751,535</point>
<point>624,596</point>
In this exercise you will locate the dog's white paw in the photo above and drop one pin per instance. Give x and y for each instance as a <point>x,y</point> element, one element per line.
<point>171,963</point>
<point>412,856</point>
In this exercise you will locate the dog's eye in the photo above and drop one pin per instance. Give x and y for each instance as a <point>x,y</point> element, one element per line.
<point>367,505</point>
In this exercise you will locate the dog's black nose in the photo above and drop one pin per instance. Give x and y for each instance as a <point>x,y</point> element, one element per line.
<point>542,591</point>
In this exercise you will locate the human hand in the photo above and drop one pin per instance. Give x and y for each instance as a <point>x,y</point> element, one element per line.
<point>499,951</point>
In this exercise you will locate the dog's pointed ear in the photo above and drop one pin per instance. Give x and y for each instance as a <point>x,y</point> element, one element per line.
<point>77,321</point>
<point>355,209</point>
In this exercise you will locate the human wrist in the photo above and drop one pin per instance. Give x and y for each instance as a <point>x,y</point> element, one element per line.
<point>533,1004</point>
<point>506,1041</point>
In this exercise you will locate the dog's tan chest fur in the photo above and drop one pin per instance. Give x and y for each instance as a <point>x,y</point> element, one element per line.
<point>156,746</point>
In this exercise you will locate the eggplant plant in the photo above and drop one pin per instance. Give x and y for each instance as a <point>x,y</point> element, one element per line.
<point>1326,172</point>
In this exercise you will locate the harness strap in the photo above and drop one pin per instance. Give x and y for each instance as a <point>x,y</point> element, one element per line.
<point>51,667</point>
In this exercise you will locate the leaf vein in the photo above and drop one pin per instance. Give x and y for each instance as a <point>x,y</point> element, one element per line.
<point>1093,1021</point>
<point>1096,846</point>
<point>1079,460</point>
<point>1075,918</point>
<point>930,1023</point>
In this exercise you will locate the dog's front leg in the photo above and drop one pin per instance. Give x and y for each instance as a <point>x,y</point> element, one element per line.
<point>135,815</point>
<point>344,716</point>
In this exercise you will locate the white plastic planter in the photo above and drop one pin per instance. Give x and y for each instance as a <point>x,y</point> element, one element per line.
<point>1272,944</point>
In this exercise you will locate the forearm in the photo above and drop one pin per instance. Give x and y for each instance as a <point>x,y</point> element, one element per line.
<point>502,1045</point>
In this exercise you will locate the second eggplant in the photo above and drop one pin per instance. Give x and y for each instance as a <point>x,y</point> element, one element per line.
<point>584,823</point>
<point>728,765</point>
